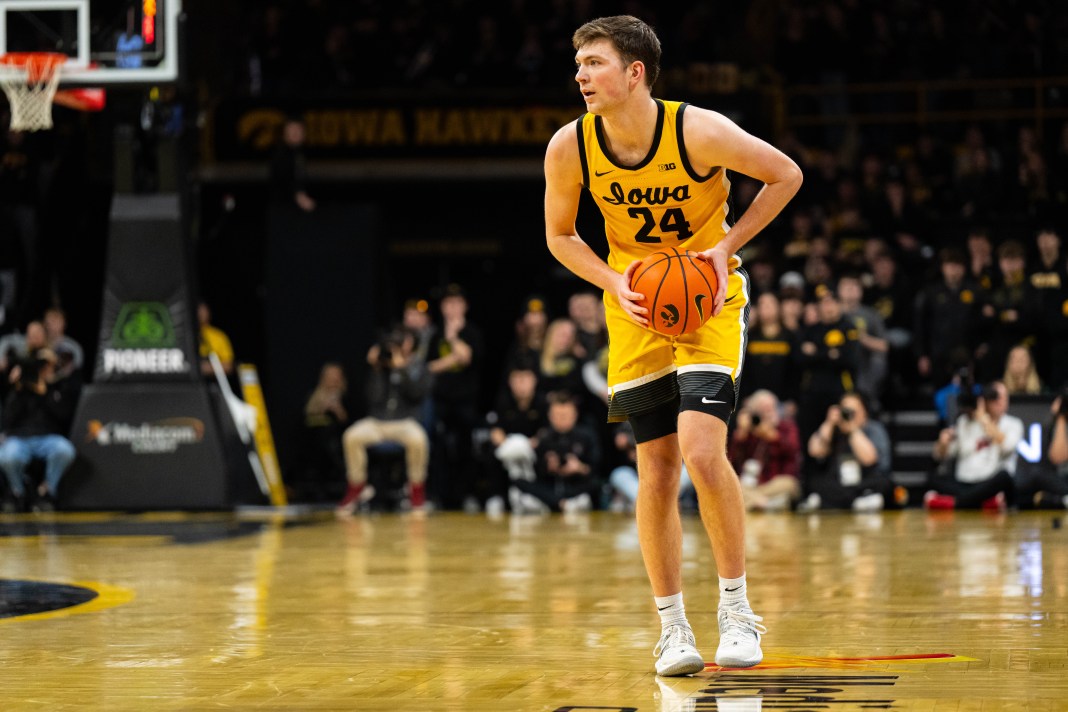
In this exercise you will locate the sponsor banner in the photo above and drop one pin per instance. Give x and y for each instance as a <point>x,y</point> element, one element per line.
<point>147,333</point>
<point>148,446</point>
<point>248,129</point>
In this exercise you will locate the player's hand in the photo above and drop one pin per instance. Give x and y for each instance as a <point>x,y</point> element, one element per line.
<point>718,258</point>
<point>628,299</point>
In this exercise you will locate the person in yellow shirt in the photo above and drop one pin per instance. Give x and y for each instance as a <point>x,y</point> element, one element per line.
<point>213,341</point>
<point>658,171</point>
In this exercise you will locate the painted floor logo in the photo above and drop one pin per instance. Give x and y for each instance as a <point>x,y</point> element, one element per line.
<point>732,690</point>
<point>22,600</point>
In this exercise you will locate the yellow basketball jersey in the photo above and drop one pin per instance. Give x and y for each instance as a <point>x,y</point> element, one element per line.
<point>660,202</point>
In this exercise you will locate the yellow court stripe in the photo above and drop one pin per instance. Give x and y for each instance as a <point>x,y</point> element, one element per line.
<point>108,596</point>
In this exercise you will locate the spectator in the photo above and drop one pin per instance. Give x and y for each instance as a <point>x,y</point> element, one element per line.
<point>1046,485</point>
<point>34,419</point>
<point>416,319</point>
<point>981,258</point>
<point>397,388</point>
<point>213,341</point>
<point>1014,309</point>
<point>568,464</point>
<point>587,313</point>
<point>289,170</point>
<point>624,476</point>
<point>1050,279</point>
<point>981,450</point>
<point>55,326</point>
<point>560,367</point>
<point>325,420</point>
<point>17,347</point>
<point>514,423</point>
<point>770,353</point>
<point>456,366</point>
<point>871,335</point>
<point>948,318</point>
<point>852,461</point>
<point>1021,377</point>
<point>530,332</point>
<point>765,449</point>
<point>829,357</point>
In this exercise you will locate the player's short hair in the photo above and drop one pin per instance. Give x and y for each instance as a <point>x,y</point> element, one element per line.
<point>633,39</point>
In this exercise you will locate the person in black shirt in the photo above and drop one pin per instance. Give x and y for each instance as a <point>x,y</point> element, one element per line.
<point>568,464</point>
<point>948,319</point>
<point>830,353</point>
<point>289,170</point>
<point>34,417</point>
<point>1050,279</point>
<point>1014,310</point>
<point>456,358</point>
<point>770,353</point>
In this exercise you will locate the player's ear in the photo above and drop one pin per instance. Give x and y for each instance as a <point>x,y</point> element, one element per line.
<point>637,71</point>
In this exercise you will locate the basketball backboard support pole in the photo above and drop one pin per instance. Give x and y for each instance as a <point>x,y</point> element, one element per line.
<point>89,43</point>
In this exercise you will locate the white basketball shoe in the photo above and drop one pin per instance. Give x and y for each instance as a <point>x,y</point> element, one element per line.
<point>676,652</point>
<point>739,636</point>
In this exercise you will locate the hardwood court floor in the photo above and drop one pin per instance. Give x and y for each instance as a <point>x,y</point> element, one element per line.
<point>904,611</point>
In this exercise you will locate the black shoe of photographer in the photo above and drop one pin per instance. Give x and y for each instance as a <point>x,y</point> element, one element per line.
<point>44,503</point>
<point>15,504</point>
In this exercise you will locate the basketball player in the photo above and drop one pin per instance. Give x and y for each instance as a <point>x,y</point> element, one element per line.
<point>661,181</point>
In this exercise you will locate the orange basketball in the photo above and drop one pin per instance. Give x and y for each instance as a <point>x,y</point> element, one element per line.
<point>679,290</point>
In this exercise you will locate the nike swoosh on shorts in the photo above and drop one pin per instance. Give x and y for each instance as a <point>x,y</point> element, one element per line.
<point>705,400</point>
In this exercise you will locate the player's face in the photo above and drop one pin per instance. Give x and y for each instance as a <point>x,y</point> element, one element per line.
<point>602,76</point>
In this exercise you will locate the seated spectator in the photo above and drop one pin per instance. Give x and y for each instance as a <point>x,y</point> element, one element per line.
<point>1049,277</point>
<point>529,334</point>
<point>770,352</point>
<point>982,445</point>
<point>851,456</point>
<point>948,319</point>
<point>829,354</point>
<point>765,449</point>
<point>1021,376</point>
<point>586,310</point>
<point>33,422</point>
<point>514,423</point>
<point>624,477</point>
<point>325,420</point>
<point>16,347</point>
<point>55,325</point>
<point>568,464</point>
<point>871,336</point>
<point>560,367</point>
<point>1046,485</point>
<point>213,341</point>
<point>1014,309</point>
<point>397,388</point>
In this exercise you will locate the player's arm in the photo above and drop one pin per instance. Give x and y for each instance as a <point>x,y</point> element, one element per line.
<point>563,189</point>
<point>714,140</point>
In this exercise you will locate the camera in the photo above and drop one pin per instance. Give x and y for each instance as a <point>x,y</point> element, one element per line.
<point>754,418</point>
<point>989,393</point>
<point>847,414</point>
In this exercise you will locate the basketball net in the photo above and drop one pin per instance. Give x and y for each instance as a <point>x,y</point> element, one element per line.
<point>30,79</point>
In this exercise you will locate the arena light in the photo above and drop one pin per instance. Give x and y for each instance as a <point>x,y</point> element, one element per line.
<point>148,21</point>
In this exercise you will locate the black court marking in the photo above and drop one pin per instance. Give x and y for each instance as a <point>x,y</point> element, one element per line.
<point>23,598</point>
<point>179,532</point>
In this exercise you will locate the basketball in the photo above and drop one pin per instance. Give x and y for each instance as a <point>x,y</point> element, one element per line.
<point>679,289</point>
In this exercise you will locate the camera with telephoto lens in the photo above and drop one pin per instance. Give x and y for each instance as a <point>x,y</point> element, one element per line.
<point>847,414</point>
<point>967,401</point>
<point>754,418</point>
<point>387,344</point>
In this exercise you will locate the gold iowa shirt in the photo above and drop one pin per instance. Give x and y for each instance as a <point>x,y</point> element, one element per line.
<point>660,202</point>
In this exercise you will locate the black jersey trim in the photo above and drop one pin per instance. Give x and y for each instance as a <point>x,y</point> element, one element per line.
<point>682,149</point>
<point>582,151</point>
<point>652,149</point>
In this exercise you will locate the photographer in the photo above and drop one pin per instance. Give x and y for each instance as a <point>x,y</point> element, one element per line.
<point>1045,486</point>
<point>397,388</point>
<point>851,455</point>
<point>983,441</point>
<point>765,450</point>
<point>34,416</point>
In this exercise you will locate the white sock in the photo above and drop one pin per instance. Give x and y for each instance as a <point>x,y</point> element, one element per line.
<point>731,591</point>
<point>671,610</point>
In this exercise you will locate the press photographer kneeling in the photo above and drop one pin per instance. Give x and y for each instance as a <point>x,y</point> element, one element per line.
<point>983,442</point>
<point>851,456</point>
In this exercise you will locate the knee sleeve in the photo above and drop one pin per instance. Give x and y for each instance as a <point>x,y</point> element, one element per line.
<point>655,423</point>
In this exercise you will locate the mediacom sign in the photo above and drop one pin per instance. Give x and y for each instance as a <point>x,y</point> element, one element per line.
<point>161,436</point>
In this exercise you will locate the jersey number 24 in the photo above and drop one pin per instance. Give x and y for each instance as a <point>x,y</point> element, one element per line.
<point>672,221</point>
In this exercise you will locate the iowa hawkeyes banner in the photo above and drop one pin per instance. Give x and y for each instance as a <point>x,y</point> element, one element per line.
<point>245,130</point>
<point>147,331</point>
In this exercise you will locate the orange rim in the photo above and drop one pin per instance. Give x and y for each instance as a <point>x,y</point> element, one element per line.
<point>39,66</point>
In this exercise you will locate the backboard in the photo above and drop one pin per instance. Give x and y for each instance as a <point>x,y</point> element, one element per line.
<point>107,42</point>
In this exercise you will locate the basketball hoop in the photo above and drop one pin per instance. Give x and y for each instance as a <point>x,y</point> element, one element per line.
<point>30,80</point>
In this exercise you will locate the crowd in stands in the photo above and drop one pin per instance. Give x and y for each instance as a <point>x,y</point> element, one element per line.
<point>330,46</point>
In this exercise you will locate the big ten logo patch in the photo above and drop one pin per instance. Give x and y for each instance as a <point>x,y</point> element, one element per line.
<point>666,167</point>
